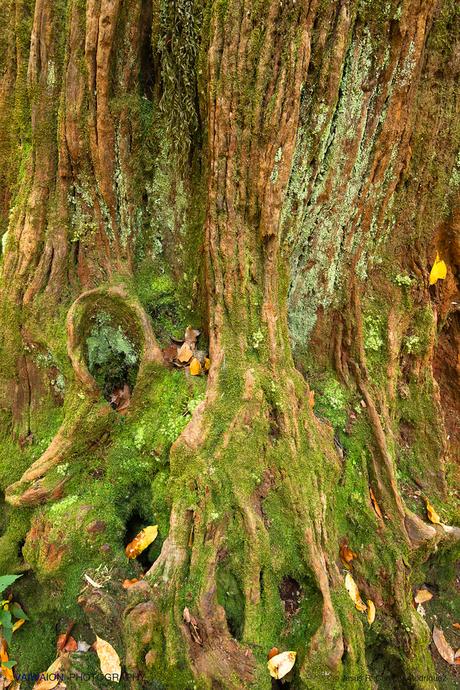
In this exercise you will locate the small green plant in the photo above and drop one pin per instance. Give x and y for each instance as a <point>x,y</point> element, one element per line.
<point>412,344</point>
<point>332,403</point>
<point>403,280</point>
<point>257,339</point>
<point>372,333</point>
<point>9,609</point>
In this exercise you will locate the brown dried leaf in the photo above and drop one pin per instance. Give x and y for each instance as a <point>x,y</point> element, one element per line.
<point>347,555</point>
<point>375,504</point>
<point>193,626</point>
<point>170,353</point>
<point>443,647</point>
<point>422,595</point>
<point>185,354</point>
<point>109,659</point>
<point>191,335</point>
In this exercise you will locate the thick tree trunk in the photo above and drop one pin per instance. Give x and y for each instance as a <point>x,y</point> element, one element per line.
<point>282,176</point>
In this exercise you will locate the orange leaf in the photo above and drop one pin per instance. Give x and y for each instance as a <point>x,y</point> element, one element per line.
<point>273,652</point>
<point>456,625</point>
<point>195,367</point>
<point>311,399</point>
<point>375,504</point>
<point>145,537</point>
<point>347,555</point>
<point>129,583</point>
<point>207,364</point>
<point>6,672</point>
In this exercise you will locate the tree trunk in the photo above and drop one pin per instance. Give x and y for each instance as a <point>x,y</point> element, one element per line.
<point>282,177</point>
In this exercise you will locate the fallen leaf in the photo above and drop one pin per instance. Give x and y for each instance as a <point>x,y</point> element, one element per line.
<point>54,669</point>
<point>353,591</point>
<point>346,555</point>
<point>129,583</point>
<point>207,364</point>
<point>185,354</point>
<point>142,541</point>
<point>273,652</point>
<point>170,353</point>
<point>280,664</point>
<point>456,625</point>
<point>457,656</point>
<point>195,367</point>
<point>109,659</point>
<point>432,514</point>
<point>191,335</point>
<point>71,645</point>
<point>18,624</point>
<point>370,611</point>
<point>438,271</point>
<point>94,584</point>
<point>422,595</point>
<point>375,504</point>
<point>6,672</point>
<point>311,399</point>
<point>443,647</point>
<point>193,626</point>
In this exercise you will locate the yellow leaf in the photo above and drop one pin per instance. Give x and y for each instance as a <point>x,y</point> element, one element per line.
<point>280,664</point>
<point>207,364</point>
<point>51,676</point>
<point>432,514</point>
<point>422,595</point>
<point>109,659</point>
<point>145,537</point>
<point>18,624</point>
<point>195,367</point>
<point>370,611</point>
<point>439,270</point>
<point>353,591</point>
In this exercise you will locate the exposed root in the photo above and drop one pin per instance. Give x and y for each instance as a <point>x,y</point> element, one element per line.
<point>34,486</point>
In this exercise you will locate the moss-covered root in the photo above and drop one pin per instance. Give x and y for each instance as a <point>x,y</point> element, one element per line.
<point>86,419</point>
<point>219,526</point>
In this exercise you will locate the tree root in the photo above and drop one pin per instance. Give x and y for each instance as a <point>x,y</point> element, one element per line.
<point>90,421</point>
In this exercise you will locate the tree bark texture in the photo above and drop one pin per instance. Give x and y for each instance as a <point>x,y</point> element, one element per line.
<point>280,175</point>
